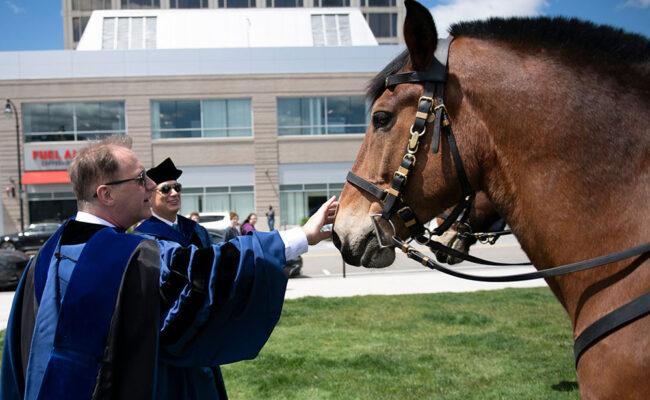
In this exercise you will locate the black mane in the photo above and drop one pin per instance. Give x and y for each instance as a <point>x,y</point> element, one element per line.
<point>599,44</point>
<point>376,86</point>
<point>604,43</point>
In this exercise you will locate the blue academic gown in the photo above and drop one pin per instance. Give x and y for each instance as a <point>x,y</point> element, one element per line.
<point>189,232</point>
<point>170,309</point>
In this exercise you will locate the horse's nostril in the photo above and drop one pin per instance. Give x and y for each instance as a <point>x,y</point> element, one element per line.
<point>336,240</point>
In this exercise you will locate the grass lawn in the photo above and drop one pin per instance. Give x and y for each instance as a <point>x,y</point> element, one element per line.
<point>504,344</point>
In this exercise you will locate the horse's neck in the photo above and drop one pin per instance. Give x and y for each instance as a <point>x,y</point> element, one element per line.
<point>567,166</point>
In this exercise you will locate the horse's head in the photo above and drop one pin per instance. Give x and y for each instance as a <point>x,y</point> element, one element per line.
<point>432,183</point>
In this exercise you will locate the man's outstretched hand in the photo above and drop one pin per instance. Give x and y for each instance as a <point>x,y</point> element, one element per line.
<point>324,215</point>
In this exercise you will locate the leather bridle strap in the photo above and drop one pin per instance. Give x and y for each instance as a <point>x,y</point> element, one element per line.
<point>411,252</point>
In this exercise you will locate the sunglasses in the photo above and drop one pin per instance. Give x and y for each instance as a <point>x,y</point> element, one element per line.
<point>165,189</point>
<point>141,180</point>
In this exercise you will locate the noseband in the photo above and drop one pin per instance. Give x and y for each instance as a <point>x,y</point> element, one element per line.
<point>431,108</point>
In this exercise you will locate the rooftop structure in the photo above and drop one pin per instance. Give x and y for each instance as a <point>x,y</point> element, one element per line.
<point>225,28</point>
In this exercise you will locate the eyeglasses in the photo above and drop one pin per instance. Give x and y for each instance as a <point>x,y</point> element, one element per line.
<point>165,189</point>
<point>141,180</point>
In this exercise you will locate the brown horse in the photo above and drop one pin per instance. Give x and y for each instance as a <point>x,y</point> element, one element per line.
<point>551,119</point>
<point>482,218</point>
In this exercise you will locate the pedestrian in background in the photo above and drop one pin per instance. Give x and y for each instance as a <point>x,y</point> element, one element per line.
<point>249,224</point>
<point>270,217</point>
<point>232,232</point>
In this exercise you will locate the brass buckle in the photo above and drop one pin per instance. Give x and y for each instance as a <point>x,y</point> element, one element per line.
<point>397,173</point>
<point>426,98</point>
<point>378,231</point>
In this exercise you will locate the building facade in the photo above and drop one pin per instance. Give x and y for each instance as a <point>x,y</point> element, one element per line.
<point>385,17</point>
<point>249,127</point>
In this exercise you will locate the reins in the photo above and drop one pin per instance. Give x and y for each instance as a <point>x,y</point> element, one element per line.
<point>431,108</point>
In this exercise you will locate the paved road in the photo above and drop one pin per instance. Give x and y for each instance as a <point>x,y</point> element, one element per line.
<point>323,275</point>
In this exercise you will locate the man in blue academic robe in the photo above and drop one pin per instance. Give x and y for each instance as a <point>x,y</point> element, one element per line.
<point>165,222</point>
<point>102,314</point>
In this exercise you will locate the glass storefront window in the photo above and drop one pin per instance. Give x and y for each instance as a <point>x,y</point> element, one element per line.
<point>72,121</point>
<point>201,118</point>
<point>322,115</point>
<point>240,199</point>
<point>299,202</point>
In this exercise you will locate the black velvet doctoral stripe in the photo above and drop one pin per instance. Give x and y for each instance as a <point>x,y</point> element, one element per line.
<point>29,311</point>
<point>177,279</point>
<point>228,265</point>
<point>200,276</point>
<point>128,365</point>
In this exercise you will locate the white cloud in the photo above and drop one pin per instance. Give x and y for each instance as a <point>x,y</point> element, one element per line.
<point>466,10</point>
<point>635,3</point>
<point>14,7</point>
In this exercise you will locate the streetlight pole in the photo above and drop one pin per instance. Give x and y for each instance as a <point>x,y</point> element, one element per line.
<point>10,108</point>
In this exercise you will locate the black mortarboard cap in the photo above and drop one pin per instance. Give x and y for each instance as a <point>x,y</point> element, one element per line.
<point>165,171</point>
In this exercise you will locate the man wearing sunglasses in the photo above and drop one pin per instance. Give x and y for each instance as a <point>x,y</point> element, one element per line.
<point>100,313</point>
<point>165,222</point>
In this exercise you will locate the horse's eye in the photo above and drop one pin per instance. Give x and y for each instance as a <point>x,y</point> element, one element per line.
<point>380,119</point>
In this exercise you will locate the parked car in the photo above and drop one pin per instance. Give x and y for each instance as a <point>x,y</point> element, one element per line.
<point>215,235</point>
<point>12,265</point>
<point>31,238</point>
<point>215,220</point>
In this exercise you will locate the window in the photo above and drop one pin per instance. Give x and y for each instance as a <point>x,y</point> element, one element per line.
<point>331,3</point>
<point>47,122</point>
<point>381,3</point>
<point>129,33</point>
<point>89,5</point>
<point>240,199</point>
<point>322,115</point>
<point>383,24</point>
<point>201,118</point>
<point>135,4</point>
<point>283,3</point>
<point>78,26</point>
<point>331,30</point>
<point>299,202</point>
<point>51,206</point>
<point>189,4</point>
<point>237,4</point>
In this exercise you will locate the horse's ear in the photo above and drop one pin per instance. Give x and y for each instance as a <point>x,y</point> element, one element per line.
<point>420,35</point>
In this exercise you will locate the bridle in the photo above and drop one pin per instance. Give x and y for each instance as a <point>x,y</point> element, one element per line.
<point>431,109</point>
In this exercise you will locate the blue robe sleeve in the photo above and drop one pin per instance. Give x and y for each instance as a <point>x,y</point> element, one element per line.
<point>229,303</point>
<point>12,383</point>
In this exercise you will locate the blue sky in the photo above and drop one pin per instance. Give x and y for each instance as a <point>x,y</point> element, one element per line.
<point>38,24</point>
